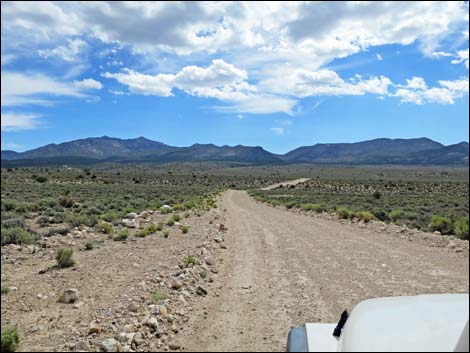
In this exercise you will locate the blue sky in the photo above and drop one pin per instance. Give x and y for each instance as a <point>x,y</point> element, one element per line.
<point>274,75</point>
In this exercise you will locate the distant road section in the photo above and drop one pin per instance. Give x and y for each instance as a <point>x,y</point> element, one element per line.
<point>286,183</point>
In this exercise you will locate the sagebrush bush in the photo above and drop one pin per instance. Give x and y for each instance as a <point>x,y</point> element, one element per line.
<point>365,216</point>
<point>10,339</point>
<point>170,222</point>
<point>184,229</point>
<point>78,219</point>
<point>176,217</point>
<point>66,201</point>
<point>89,245</point>
<point>189,260</point>
<point>159,226</point>
<point>64,258</point>
<point>106,228</point>
<point>461,228</point>
<point>5,290</point>
<point>343,213</point>
<point>14,223</point>
<point>122,235</point>
<point>395,215</point>
<point>40,179</point>
<point>441,224</point>
<point>15,235</point>
<point>110,216</point>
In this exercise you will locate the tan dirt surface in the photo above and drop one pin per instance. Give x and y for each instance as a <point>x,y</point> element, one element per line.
<point>284,269</point>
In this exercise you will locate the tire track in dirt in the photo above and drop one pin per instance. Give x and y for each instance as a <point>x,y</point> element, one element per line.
<point>283,269</point>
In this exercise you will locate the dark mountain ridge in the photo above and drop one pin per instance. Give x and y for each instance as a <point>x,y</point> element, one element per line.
<point>418,151</point>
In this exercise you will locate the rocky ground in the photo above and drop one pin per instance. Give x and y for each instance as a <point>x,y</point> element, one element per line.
<point>136,295</point>
<point>258,271</point>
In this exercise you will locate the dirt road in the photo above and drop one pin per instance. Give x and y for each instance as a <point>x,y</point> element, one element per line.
<point>286,183</point>
<point>283,269</point>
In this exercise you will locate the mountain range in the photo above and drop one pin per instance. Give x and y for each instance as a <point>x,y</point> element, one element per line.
<point>418,151</point>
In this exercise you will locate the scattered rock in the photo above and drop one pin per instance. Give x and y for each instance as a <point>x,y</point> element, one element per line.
<point>130,223</point>
<point>200,290</point>
<point>138,339</point>
<point>209,260</point>
<point>174,346</point>
<point>131,215</point>
<point>69,296</point>
<point>94,329</point>
<point>133,307</point>
<point>163,311</point>
<point>176,284</point>
<point>82,346</point>
<point>110,345</point>
<point>151,322</point>
<point>452,244</point>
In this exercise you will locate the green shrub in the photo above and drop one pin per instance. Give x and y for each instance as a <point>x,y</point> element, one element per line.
<point>184,229</point>
<point>13,223</point>
<point>395,215</point>
<point>122,235</point>
<point>186,215</point>
<point>40,179</point>
<point>16,235</point>
<point>160,226</point>
<point>189,260</point>
<point>164,210</point>
<point>66,201</point>
<point>170,222</point>
<point>147,231</point>
<point>10,339</point>
<point>5,290</point>
<point>176,217</point>
<point>441,224</point>
<point>166,234</point>
<point>89,245</point>
<point>110,216</point>
<point>78,219</point>
<point>159,296</point>
<point>343,213</point>
<point>365,216</point>
<point>381,215</point>
<point>461,228</point>
<point>106,228</point>
<point>64,258</point>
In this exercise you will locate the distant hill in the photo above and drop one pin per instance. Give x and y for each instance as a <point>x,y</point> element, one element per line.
<point>419,151</point>
<point>377,151</point>
<point>7,154</point>
<point>97,148</point>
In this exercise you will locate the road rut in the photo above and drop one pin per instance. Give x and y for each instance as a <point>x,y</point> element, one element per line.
<point>283,269</point>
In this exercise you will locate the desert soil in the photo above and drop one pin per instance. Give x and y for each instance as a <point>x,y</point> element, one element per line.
<point>265,270</point>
